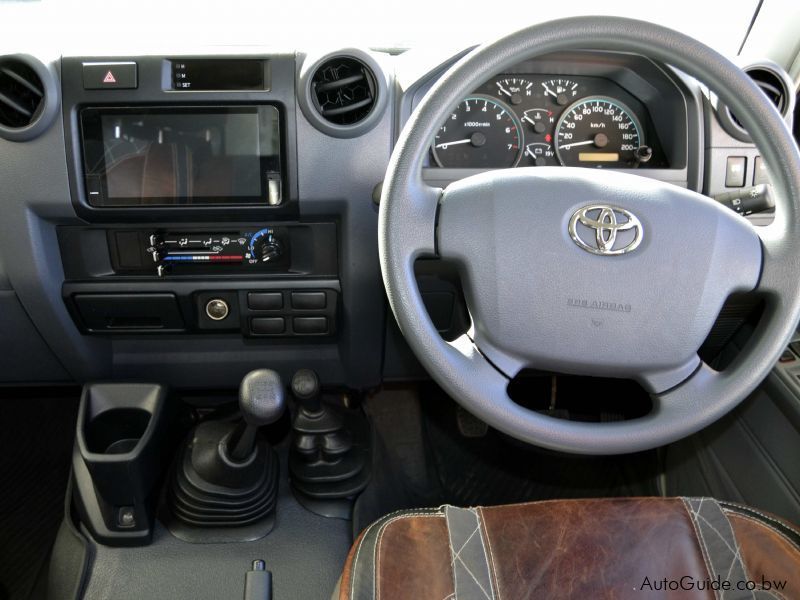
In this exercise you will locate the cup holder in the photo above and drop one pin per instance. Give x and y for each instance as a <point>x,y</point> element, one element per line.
<point>117,460</point>
<point>116,431</point>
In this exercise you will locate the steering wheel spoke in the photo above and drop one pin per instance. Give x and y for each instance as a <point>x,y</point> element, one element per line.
<point>664,379</point>
<point>477,361</point>
<point>414,237</point>
<point>772,281</point>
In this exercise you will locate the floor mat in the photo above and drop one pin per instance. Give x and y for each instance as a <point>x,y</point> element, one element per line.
<point>403,476</point>
<point>481,466</point>
<point>36,436</point>
<point>428,451</point>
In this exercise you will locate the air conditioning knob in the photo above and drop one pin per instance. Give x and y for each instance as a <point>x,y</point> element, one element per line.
<point>268,249</point>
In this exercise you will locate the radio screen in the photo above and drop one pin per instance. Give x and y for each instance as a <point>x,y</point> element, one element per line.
<point>174,156</point>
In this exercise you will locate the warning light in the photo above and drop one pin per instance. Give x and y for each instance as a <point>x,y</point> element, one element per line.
<point>548,138</point>
<point>109,78</point>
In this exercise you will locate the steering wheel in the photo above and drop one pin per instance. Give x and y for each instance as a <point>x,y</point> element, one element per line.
<point>539,299</point>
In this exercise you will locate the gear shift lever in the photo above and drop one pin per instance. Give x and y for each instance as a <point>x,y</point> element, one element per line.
<point>262,402</point>
<point>329,455</point>
<point>226,477</point>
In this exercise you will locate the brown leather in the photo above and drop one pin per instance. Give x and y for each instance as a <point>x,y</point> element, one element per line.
<point>591,549</point>
<point>407,537</point>
<point>767,553</point>
<point>604,548</point>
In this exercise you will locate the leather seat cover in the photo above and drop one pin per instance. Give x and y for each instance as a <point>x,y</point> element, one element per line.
<point>607,548</point>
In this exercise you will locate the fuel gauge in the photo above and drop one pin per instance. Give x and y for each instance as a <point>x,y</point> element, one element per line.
<point>561,91</point>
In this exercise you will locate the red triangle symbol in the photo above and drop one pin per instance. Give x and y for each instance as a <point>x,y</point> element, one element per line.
<point>109,78</point>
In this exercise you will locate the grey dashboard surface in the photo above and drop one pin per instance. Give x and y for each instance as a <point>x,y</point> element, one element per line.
<point>335,178</point>
<point>34,197</point>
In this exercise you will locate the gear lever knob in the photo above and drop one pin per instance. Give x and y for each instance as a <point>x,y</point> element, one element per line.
<point>262,401</point>
<point>305,387</point>
<point>262,398</point>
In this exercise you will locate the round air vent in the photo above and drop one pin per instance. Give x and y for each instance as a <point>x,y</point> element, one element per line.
<point>776,85</point>
<point>28,97</point>
<point>343,90</point>
<point>344,93</point>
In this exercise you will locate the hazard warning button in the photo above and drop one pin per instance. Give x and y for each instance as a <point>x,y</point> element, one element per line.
<point>116,75</point>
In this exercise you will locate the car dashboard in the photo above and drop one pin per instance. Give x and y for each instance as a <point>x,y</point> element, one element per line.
<point>189,217</point>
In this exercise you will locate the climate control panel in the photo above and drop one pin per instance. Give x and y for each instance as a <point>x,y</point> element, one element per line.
<point>176,252</point>
<point>263,281</point>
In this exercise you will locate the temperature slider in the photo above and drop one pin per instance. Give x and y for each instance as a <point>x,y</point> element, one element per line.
<point>217,258</point>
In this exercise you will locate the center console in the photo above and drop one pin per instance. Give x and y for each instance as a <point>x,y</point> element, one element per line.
<point>276,280</point>
<point>184,170</point>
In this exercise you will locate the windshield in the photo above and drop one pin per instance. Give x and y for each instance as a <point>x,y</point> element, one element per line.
<point>72,25</point>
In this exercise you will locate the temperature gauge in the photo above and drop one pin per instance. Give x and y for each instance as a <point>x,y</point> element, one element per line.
<point>539,118</point>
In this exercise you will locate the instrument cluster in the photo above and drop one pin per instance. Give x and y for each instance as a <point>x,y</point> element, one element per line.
<point>536,120</point>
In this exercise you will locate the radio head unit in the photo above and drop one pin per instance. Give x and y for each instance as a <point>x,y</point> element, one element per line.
<point>182,155</point>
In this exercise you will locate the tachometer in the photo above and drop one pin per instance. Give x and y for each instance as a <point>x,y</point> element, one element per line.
<point>598,132</point>
<point>481,133</point>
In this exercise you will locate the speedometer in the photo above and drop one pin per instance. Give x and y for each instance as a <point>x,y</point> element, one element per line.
<point>481,133</point>
<point>598,132</point>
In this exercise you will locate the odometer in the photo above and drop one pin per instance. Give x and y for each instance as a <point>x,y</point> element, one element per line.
<point>481,133</point>
<point>598,132</point>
